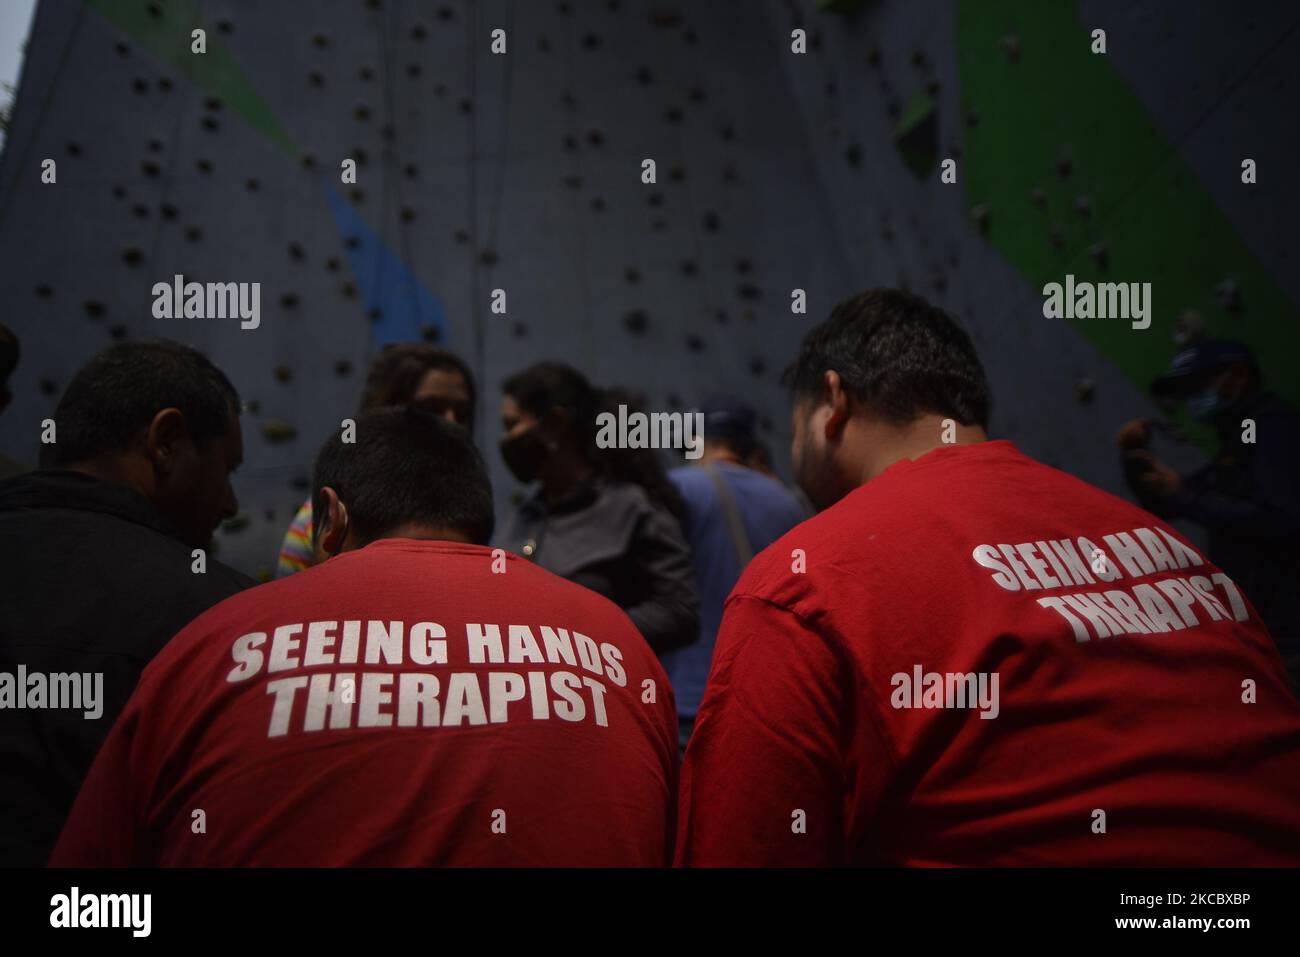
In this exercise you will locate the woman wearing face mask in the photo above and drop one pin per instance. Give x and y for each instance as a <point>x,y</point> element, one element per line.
<point>415,374</point>
<point>604,518</point>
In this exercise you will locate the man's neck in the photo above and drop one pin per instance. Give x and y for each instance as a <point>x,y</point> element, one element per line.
<point>428,533</point>
<point>887,444</point>
<point>118,471</point>
<point>714,454</point>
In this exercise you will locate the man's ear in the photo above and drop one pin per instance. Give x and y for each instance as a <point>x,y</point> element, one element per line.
<point>838,400</point>
<point>329,525</point>
<point>166,432</point>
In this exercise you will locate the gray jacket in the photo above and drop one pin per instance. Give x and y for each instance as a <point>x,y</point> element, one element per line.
<point>609,537</point>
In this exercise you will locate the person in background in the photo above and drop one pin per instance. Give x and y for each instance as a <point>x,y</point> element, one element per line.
<point>604,518</point>
<point>1248,496</point>
<point>733,511</point>
<point>413,700</point>
<point>8,362</point>
<point>975,659</point>
<point>100,565</point>
<point>415,374</point>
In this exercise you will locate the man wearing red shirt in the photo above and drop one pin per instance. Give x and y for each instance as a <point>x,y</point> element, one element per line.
<point>419,699</point>
<point>969,658</point>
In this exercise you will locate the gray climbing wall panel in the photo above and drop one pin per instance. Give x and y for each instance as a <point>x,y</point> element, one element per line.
<point>522,172</point>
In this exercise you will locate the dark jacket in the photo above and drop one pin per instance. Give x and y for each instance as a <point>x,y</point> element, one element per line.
<point>1248,499</point>
<point>609,537</point>
<point>92,580</point>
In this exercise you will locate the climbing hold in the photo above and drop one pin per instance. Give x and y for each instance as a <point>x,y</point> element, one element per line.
<point>711,222</point>
<point>289,301</point>
<point>296,252</point>
<point>94,308</point>
<point>1083,205</point>
<point>132,256</point>
<point>694,343</point>
<point>282,373</point>
<point>1229,294</point>
<point>342,367</point>
<point>236,523</point>
<point>1099,254</point>
<point>981,214</point>
<point>636,321</point>
<point>1011,47</point>
<point>277,430</point>
<point>1038,196</point>
<point>747,290</point>
<point>631,275</point>
<point>1084,389</point>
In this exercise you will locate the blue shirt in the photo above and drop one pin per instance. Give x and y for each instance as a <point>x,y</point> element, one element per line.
<point>767,510</point>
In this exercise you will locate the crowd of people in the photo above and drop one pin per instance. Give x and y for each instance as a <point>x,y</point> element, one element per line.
<point>931,650</point>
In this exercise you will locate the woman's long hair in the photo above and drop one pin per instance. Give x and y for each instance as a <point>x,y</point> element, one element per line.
<point>543,386</point>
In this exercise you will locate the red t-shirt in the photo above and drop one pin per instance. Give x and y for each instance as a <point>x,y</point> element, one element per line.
<point>409,703</point>
<point>977,659</point>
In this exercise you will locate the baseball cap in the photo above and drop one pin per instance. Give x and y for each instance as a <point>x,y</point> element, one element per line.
<point>1191,365</point>
<point>727,417</point>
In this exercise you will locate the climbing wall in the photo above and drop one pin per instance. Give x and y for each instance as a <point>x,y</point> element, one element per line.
<point>522,172</point>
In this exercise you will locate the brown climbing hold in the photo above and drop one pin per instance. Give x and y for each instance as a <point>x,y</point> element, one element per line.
<point>982,215</point>
<point>282,373</point>
<point>277,430</point>
<point>1011,47</point>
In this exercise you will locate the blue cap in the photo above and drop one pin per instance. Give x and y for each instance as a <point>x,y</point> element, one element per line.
<point>1191,365</point>
<point>727,417</point>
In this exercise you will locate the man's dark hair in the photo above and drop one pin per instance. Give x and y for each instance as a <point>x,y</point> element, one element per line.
<point>898,355</point>
<point>398,370</point>
<point>406,465</point>
<point>119,391</point>
<point>8,354</point>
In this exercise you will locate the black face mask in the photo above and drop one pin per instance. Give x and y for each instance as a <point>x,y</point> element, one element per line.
<point>524,454</point>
